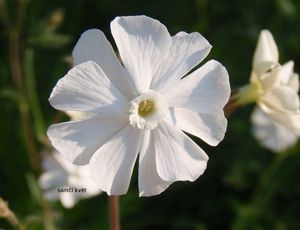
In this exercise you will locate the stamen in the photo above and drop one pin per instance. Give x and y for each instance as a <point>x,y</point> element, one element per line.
<point>146,108</point>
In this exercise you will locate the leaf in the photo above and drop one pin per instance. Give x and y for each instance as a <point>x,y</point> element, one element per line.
<point>34,189</point>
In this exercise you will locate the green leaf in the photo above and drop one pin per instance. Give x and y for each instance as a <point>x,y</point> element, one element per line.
<point>34,189</point>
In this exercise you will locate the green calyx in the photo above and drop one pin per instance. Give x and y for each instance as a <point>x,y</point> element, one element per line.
<point>248,94</point>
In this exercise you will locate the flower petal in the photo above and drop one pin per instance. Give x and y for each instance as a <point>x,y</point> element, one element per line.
<point>93,46</point>
<point>210,128</point>
<point>49,163</point>
<point>288,120</point>
<point>51,195</point>
<point>206,90</point>
<point>50,180</point>
<point>186,51</point>
<point>68,199</point>
<point>112,165</point>
<point>86,88</point>
<point>62,163</point>
<point>79,140</point>
<point>150,183</point>
<point>143,43</point>
<point>271,134</point>
<point>267,80</point>
<point>294,82</point>
<point>178,158</point>
<point>285,72</point>
<point>282,98</point>
<point>266,52</point>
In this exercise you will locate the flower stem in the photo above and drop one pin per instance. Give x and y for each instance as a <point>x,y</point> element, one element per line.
<point>114,213</point>
<point>231,105</point>
<point>17,76</point>
<point>33,98</point>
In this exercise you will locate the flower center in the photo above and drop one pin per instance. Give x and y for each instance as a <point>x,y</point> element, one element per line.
<point>147,110</point>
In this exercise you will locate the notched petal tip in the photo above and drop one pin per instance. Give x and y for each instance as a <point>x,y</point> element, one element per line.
<point>182,159</point>
<point>143,43</point>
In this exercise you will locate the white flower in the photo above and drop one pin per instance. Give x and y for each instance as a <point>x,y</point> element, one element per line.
<point>142,106</point>
<point>275,89</point>
<point>65,181</point>
<point>272,134</point>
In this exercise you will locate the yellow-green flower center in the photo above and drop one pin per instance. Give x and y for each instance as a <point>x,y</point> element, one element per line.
<point>146,108</point>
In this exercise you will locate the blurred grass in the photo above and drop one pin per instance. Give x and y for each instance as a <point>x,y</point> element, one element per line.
<point>235,167</point>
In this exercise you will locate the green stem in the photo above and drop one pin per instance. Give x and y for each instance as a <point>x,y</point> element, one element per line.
<point>231,105</point>
<point>48,216</point>
<point>16,71</point>
<point>33,96</point>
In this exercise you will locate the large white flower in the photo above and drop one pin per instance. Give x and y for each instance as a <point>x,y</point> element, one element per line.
<point>275,89</point>
<point>65,181</point>
<point>142,105</point>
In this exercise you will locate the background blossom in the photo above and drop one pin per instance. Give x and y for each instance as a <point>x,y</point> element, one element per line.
<point>277,121</point>
<point>62,175</point>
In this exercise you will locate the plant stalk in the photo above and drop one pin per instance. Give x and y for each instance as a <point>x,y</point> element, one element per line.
<point>114,212</point>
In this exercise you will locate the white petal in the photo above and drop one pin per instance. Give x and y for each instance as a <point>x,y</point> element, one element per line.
<point>271,134</point>
<point>294,82</point>
<point>178,158</point>
<point>62,162</point>
<point>206,90</point>
<point>79,140</point>
<point>81,177</point>
<point>86,88</point>
<point>266,51</point>
<point>51,195</point>
<point>112,165</point>
<point>92,189</point>
<point>50,180</point>
<point>150,183</point>
<point>93,46</point>
<point>267,80</point>
<point>49,163</point>
<point>285,72</point>
<point>186,51</point>
<point>143,43</point>
<point>67,199</point>
<point>210,128</point>
<point>289,120</point>
<point>282,98</point>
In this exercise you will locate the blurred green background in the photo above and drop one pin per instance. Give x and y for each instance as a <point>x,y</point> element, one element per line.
<point>244,187</point>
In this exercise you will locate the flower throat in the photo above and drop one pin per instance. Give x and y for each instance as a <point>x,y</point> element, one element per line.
<point>146,108</point>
